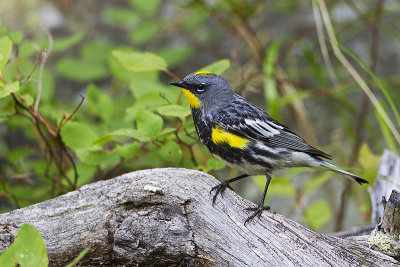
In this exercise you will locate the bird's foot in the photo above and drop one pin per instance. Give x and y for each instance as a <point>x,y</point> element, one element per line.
<point>220,189</point>
<point>257,211</point>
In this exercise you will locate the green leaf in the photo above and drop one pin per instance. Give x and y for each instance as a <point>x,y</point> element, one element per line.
<point>81,70</point>
<point>188,163</point>
<point>86,173</point>
<point>176,55</point>
<point>3,30</point>
<point>130,133</point>
<point>78,258</point>
<point>148,101</point>
<point>280,187</point>
<point>61,44</point>
<point>92,156</point>
<point>171,152</point>
<point>369,163</point>
<point>174,111</point>
<point>16,37</point>
<point>215,164</point>
<point>129,151</point>
<point>77,135</point>
<point>166,131</point>
<point>367,159</point>
<point>144,32</point>
<point>151,159</point>
<point>318,214</point>
<point>28,99</point>
<point>99,103</point>
<point>120,72</point>
<point>5,51</point>
<point>9,88</point>
<point>27,49</point>
<point>140,87</point>
<point>313,183</point>
<point>187,138</point>
<point>148,7</point>
<point>135,61</point>
<point>27,250</point>
<point>97,51</point>
<point>195,19</point>
<point>148,122</point>
<point>120,16</point>
<point>218,67</point>
<point>111,161</point>
<point>270,90</point>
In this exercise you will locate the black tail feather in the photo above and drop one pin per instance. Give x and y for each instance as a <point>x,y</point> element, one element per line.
<point>334,168</point>
<point>360,180</point>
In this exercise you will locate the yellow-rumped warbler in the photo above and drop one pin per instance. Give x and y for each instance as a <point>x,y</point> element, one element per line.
<point>244,136</point>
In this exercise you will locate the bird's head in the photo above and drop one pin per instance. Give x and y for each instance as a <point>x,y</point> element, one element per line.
<point>205,90</point>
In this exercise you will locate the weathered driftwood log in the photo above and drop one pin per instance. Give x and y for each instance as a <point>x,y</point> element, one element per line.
<point>388,179</point>
<point>165,217</point>
<point>385,236</point>
<point>391,215</point>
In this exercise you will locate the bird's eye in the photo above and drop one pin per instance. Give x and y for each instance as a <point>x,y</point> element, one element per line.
<point>200,87</point>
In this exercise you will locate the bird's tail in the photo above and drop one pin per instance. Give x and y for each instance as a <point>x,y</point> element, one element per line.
<point>334,168</point>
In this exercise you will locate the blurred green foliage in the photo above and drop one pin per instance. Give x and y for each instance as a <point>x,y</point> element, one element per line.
<point>129,119</point>
<point>29,250</point>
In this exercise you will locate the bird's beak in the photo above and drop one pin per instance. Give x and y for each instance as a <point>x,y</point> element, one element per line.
<point>180,84</point>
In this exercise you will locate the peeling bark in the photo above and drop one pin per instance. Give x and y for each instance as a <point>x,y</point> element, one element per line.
<point>165,217</point>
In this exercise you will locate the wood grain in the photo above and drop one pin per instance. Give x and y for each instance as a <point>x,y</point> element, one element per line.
<point>164,217</point>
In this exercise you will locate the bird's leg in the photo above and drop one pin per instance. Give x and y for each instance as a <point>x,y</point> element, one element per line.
<point>225,184</point>
<point>259,209</point>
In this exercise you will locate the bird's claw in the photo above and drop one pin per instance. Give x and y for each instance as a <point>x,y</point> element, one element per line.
<point>220,189</point>
<point>257,211</point>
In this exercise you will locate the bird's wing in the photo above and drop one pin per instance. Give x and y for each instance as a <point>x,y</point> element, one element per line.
<point>247,120</point>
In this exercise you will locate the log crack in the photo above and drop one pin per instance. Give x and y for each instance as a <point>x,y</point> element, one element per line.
<point>165,217</point>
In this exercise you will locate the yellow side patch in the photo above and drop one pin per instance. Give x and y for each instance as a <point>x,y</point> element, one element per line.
<point>194,102</point>
<point>203,73</point>
<point>220,135</point>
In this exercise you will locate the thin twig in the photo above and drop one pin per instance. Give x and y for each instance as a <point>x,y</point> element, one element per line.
<point>45,55</point>
<point>3,80</point>
<point>36,115</point>
<point>38,57</point>
<point>54,157</point>
<point>62,145</point>
<point>70,158</point>
<point>173,75</point>
<point>64,121</point>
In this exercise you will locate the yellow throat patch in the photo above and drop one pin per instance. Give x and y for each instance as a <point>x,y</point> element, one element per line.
<point>203,73</point>
<point>220,135</point>
<point>194,102</point>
